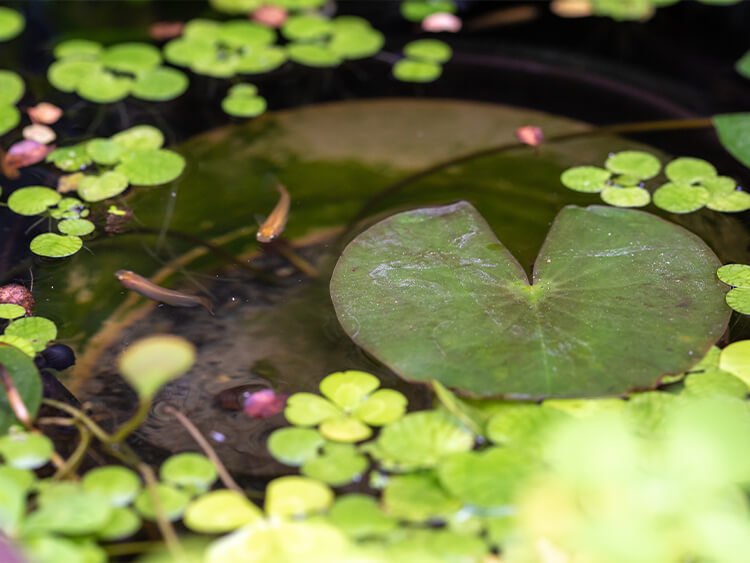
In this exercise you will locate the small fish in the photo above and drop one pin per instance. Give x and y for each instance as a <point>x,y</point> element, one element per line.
<point>274,225</point>
<point>147,288</point>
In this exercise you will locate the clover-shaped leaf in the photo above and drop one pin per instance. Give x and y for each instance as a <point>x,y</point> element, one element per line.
<point>352,405</point>
<point>220,511</point>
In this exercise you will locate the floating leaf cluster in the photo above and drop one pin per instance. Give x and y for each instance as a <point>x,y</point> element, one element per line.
<point>738,276</point>
<point>423,61</point>
<point>243,101</point>
<point>417,10</point>
<point>11,91</point>
<point>692,183</point>
<point>29,334</point>
<point>108,74</point>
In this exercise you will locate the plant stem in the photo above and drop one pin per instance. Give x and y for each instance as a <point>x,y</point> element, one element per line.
<point>93,427</point>
<point>165,526</point>
<point>76,457</point>
<point>226,478</point>
<point>637,127</point>
<point>135,421</point>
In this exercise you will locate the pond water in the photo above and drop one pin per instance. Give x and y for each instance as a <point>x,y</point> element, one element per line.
<point>274,326</point>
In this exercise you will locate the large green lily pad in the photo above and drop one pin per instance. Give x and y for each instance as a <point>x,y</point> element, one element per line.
<point>618,298</point>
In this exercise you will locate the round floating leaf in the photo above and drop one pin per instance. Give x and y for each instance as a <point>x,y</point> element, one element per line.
<point>382,407</point>
<point>131,57</point>
<point>159,84</point>
<point>734,133</point>
<point>719,185</point>
<point>24,450</point>
<point>173,502</point>
<point>11,87</point>
<point>307,27</point>
<point>688,170</point>
<point>218,64</point>
<point>243,33</point>
<point>123,522</point>
<point>356,42</point>
<point>82,513</point>
<point>313,55</point>
<point>345,429</point>
<point>78,49</point>
<point>739,300</point>
<point>306,409</point>
<point>420,440</point>
<point>32,200</point>
<point>409,70</point>
<point>11,23</point>
<point>523,426</point>
<point>359,517</point>
<point>681,198</point>
<point>244,106</point>
<point>296,496</point>
<point>202,29</point>
<point>184,51</point>
<point>151,362</point>
<point>189,470</point>
<point>9,118</point>
<point>104,151</point>
<point>467,316</point>
<point>26,380</point>
<point>70,159</point>
<point>626,180</point>
<point>67,74</point>
<point>49,549</point>
<point>735,359</point>
<point>294,446</point>
<point>349,23</point>
<point>98,188</point>
<point>338,465</point>
<point>418,498</point>
<point>431,50</point>
<point>585,178</point>
<point>742,66</point>
<point>347,389</point>
<point>139,137</point>
<point>261,59</point>
<point>37,330</point>
<point>151,167</point>
<point>417,10</point>
<point>634,163</point>
<point>69,208</point>
<point>76,227</point>
<point>219,512</point>
<point>243,90</point>
<point>625,197</point>
<point>11,311</point>
<point>21,343</point>
<point>737,275</point>
<point>713,383</point>
<point>315,542</point>
<point>103,87</point>
<point>117,484</point>
<point>731,202</point>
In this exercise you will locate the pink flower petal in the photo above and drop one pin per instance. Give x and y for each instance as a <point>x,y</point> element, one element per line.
<point>161,31</point>
<point>26,153</point>
<point>44,113</point>
<point>269,15</point>
<point>442,21</point>
<point>530,135</point>
<point>263,404</point>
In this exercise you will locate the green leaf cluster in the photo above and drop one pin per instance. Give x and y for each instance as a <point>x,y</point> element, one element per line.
<point>692,183</point>
<point>242,100</point>
<point>11,91</point>
<point>423,61</point>
<point>737,276</point>
<point>29,334</point>
<point>108,74</point>
<point>417,10</point>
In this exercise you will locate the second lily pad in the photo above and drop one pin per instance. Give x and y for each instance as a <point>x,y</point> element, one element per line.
<point>617,299</point>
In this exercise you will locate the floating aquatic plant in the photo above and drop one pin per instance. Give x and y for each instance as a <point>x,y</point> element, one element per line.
<point>11,91</point>
<point>434,295</point>
<point>12,23</point>
<point>150,363</point>
<point>738,276</point>
<point>423,62</point>
<point>243,101</point>
<point>417,10</point>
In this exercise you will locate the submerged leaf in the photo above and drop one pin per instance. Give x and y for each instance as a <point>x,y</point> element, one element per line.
<point>434,295</point>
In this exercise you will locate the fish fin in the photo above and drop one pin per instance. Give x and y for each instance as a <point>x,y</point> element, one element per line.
<point>260,219</point>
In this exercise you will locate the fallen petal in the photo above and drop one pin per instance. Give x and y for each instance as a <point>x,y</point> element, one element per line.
<point>530,135</point>
<point>161,31</point>
<point>272,16</point>
<point>27,152</point>
<point>39,133</point>
<point>44,113</point>
<point>263,404</point>
<point>442,21</point>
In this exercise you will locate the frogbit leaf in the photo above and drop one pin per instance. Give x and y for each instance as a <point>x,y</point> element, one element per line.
<point>434,295</point>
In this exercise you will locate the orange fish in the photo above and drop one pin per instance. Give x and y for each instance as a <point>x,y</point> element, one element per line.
<point>274,225</point>
<point>149,289</point>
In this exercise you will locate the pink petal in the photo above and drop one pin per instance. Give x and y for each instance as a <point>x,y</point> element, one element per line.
<point>530,135</point>
<point>44,113</point>
<point>272,16</point>
<point>26,153</point>
<point>263,404</point>
<point>161,31</point>
<point>442,21</point>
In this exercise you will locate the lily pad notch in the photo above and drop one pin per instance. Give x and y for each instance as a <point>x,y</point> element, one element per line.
<point>618,298</point>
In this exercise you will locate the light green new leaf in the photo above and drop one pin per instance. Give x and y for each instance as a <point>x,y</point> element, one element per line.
<point>55,246</point>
